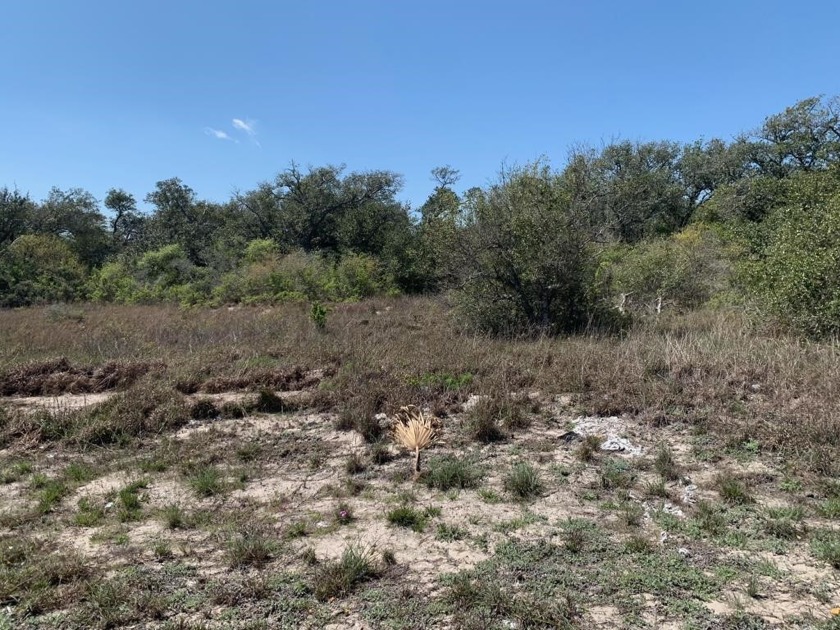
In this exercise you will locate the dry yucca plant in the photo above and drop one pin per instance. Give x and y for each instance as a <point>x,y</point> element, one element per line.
<point>415,431</point>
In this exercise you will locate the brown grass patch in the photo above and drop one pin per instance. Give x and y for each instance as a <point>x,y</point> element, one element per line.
<point>59,376</point>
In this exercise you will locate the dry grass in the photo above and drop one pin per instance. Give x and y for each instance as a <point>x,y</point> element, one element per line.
<point>715,370</point>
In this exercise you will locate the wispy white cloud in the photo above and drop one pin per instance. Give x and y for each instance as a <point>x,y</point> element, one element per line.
<point>247,126</point>
<point>244,125</point>
<point>218,134</point>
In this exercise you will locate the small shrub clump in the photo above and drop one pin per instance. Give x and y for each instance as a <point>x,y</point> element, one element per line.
<point>448,471</point>
<point>523,481</point>
<point>339,577</point>
<point>409,517</point>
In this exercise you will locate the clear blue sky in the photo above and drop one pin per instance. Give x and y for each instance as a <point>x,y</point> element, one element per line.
<point>101,94</point>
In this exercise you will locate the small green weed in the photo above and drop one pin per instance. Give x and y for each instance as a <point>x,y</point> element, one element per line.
<point>450,533</point>
<point>207,481</point>
<point>447,472</point>
<point>338,578</point>
<point>523,481</point>
<point>407,516</point>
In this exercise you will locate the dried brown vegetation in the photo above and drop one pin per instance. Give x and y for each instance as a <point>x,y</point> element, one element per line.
<point>130,505</point>
<point>714,370</point>
<point>59,376</point>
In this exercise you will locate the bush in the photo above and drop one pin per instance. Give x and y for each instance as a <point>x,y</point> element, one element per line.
<point>39,268</point>
<point>266,277</point>
<point>524,259</point>
<point>685,270</point>
<point>798,278</point>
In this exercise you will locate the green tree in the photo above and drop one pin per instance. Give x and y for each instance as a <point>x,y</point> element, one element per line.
<point>523,257</point>
<point>630,190</point>
<point>40,268</point>
<point>180,218</point>
<point>321,210</point>
<point>74,216</point>
<point>16,212</point>
<point>704,167</point>
<point>126,223</point>
<point>804,137</point>
<point>797,275</point>
<point>438,229</point>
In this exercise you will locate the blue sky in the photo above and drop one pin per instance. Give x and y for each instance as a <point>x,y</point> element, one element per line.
<point>101,94</point>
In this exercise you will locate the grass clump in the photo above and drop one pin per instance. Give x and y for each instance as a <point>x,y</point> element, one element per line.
<point>340,577</point>
<point>207,481</point>
<point>78,472</point>
<point>448,471</point>
<point>409,517</point>
<point>144,410</point>
<point>89,514</point>
<point>269,402</point>
<point>656,489</point>
<point>492,416</point>
<point>354,464</point>
<point>576,534</point>
<point>251,547</point>
<point>617,474</point>
<point>36,577</point>
<point>589,448</point>
<point>204,409</point>
<point>15,472</point>
<point>631,513</point>
<point>129,501</point>
<point>360,411</point>
<point>523,481</point>
<point>296,529</point>
<point>830,508</point>
<point>380,453</point>
<point>50,493</point>
<point>174,517</point>
<point>450,533</point>
<point>733,490</point>
<point>826,546</point>
<point>711,518</point>
<point>665,464</point>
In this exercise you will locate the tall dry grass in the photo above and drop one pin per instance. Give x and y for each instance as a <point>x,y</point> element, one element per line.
<point>715,370</point>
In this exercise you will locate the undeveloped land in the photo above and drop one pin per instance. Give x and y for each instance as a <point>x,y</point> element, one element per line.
<point>235,469</point>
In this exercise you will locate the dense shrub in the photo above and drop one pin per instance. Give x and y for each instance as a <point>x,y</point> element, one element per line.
<point>524,259</point>
<point>40,268</point>
<point>798,277</point>
<point>685,270</point>
<point>265,276</point>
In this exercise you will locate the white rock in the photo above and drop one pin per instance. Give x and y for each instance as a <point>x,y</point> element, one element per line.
<point>670,508</point>
<point>620,445</point>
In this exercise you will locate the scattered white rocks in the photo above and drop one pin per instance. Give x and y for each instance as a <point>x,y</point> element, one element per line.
<point>621,445</point>
<point>612,429</point>
<point>689,494</point>
<point>670,508</point>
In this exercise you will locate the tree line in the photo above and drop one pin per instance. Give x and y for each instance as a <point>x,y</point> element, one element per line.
<point>615,231</point>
